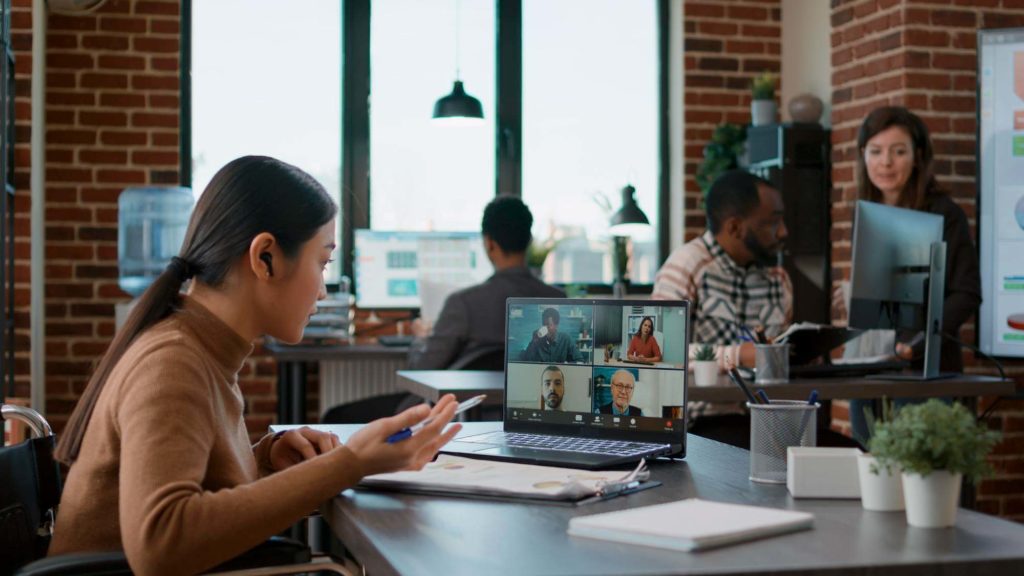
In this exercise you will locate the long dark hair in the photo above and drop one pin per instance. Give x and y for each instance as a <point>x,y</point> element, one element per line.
<point>640,328</point>
<point>250,195</point>
<point>922,182</point>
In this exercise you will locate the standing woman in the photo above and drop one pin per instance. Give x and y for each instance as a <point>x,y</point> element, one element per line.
<point>643,345</point>
<point>161,465</point>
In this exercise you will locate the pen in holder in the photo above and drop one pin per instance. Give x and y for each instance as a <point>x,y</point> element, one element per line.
<point>774,428</point>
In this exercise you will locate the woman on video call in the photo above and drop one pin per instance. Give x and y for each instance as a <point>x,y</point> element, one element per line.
<point>161,465</point>
<point>643,346</point>
<point>895,167</point>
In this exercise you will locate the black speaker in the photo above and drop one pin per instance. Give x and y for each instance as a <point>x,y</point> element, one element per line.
<point>795,158</point>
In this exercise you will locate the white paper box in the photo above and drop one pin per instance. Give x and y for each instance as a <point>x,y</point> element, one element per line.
<point>822,472</point>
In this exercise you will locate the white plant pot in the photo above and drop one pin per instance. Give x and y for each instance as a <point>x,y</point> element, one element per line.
<point>932,500</point>
<point>705,373</point>
<point>882,492</point>
<point>763,112</point>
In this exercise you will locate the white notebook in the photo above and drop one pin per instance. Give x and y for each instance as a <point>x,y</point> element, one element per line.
<point>687,525</point>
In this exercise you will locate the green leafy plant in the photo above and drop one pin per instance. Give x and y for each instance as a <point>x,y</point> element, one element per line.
<point>762,87</point>
<point>871,421</point>
<point>933,436</point>
<point>536,253</point>
<point>722,153</point>
<point>705,353</point>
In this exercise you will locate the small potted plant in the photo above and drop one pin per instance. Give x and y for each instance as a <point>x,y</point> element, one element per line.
<point>705,366</point>
<point>763,108</point>
<point>935,444</point>
<point>881,486</point>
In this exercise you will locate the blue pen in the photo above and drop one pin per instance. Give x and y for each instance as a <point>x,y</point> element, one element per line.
<point>763,396</point>
<point>811,400</point>
<point>408,432</point>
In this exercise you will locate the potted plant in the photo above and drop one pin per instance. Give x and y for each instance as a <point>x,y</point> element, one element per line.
<point>724,152</point>
<point>935,444</point>
<point>763,108</point>
<point>881,486</point>
<point>705,366</point>
<point>537,253</point>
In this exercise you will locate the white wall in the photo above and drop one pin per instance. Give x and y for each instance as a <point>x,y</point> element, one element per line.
<point>807,53</point>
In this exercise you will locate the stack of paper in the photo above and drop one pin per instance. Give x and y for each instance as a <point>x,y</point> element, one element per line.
<point>686,525</point>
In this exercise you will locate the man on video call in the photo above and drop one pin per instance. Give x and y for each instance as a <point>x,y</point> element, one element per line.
<point>473,319</point>
<point>552,388</point>
<point>623,385</point>
<point>548,344</point>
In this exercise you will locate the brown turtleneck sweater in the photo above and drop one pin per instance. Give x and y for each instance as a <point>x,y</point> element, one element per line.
<point>165,470</point>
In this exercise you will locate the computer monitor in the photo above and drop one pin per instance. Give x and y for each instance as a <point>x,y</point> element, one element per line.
<point>898,275</point>
<point>389,265</point>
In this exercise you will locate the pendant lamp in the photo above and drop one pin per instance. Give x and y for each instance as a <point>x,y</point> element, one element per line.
<point>458,108</point>
<point>630,220</point>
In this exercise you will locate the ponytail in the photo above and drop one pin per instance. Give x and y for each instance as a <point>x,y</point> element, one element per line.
<point>155,304</point>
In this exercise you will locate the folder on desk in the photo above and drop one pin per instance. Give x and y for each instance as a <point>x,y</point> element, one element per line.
<point>491,479</point>
<point>688,525</point>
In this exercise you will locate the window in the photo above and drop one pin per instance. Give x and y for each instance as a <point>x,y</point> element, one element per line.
<point>424,176</point>
<point>590,126</point>
<point>271,87</point>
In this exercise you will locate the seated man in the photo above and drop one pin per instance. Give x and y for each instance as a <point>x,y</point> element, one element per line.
<point>731,273</point>
<point>550,345</point>
<point>623,385</point>
<point>474,318</point>
<point>552,388</point>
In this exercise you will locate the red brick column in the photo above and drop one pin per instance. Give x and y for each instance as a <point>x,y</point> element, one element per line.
<point>922,55</point>
<point>726,44</point>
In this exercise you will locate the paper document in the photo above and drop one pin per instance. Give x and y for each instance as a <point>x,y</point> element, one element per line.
<point>781,338</point>
<point>457,475</point>
<point>691,524</point>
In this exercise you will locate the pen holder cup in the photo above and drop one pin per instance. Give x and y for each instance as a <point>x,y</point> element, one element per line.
<point>774,428</point>
<point>772,362</point>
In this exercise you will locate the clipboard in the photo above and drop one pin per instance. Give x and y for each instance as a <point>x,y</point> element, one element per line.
<point>463,477</point>
<point>810,341</point>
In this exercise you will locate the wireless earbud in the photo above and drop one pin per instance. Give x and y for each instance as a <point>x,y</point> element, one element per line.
<point>265,257</point>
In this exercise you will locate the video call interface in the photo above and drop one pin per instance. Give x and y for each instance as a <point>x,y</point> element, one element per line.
<point>610,366</point>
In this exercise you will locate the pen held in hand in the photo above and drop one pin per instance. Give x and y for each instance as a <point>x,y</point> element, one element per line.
<point>408,432</point>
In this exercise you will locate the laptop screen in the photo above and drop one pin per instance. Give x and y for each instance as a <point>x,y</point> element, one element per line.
<point>613,368</point>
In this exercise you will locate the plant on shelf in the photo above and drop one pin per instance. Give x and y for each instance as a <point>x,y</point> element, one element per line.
<point>722,153</point>
<point>762,105</point>
<point>935,444</point>
<point>705,365</point>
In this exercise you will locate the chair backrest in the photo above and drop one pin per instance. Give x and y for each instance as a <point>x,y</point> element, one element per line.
<point>486,358</point>
<point>29,492</point>
<point>369,409</point>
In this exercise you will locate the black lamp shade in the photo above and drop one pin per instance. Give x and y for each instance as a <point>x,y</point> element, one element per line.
<point>630,217</point>
<point>458,104</point>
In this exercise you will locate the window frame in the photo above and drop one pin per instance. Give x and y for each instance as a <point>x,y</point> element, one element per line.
<point>355,118</point>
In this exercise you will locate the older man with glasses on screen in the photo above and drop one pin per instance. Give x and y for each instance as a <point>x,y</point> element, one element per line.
<point>623,384</point>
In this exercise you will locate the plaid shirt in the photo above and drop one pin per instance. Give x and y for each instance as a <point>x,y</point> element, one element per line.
<point>725,296</point>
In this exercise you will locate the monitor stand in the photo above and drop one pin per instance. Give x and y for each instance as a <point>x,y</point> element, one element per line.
<point>933,326</point>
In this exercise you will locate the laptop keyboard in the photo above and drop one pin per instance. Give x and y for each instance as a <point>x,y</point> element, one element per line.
<point>567,443</point>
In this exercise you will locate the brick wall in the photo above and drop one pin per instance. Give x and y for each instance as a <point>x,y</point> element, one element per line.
<point>922,55</point>
<point>726,44</point>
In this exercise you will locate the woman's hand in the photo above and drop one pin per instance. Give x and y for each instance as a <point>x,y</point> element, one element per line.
<point>300,444</point>
<point>377,456</point>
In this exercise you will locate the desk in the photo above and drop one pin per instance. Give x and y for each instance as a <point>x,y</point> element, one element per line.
<point>432,384</point>
<point>392,533</point>
<point>291,369</point>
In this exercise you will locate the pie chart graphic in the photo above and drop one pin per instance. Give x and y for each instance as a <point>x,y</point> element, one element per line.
<point>1015,321</point>
<point>1018,212</point>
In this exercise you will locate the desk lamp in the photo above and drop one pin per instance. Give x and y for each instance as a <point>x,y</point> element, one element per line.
<point>628,221</point>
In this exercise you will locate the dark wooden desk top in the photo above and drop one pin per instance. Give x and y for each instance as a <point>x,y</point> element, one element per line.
<point>392,533</point>
<point>362,348</point>
<point>432,384</point>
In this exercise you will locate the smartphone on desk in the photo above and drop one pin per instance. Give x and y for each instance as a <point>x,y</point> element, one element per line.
<point>408,432</point>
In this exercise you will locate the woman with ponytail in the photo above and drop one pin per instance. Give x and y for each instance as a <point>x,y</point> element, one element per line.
<point>161,465</point>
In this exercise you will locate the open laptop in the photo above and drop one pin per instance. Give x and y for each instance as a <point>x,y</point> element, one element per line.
<point>570,399</point>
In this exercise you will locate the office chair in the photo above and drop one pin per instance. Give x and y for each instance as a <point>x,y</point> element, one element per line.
<point>484,358</point>
<point>29,498</point>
